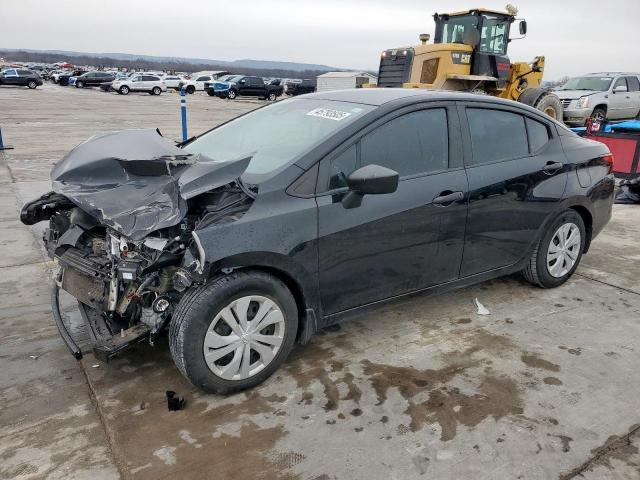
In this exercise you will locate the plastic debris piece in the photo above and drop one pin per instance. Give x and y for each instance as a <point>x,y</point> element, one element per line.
<point>95,366</point>
<point>174,403</point>
<point>482,310</point>
<point>34,357</point>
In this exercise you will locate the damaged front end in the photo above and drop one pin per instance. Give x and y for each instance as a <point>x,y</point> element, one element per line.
<point>121,219</point>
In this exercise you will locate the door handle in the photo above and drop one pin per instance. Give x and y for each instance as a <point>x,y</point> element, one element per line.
<point>552,167</point>
<point>445,199</point>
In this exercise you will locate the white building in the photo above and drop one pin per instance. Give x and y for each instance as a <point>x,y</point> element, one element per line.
<point>341,80</point>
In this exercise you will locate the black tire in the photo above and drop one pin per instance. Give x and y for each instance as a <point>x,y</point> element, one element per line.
<point>537,271</point>
<point>32,84</point>
<point>599,114</point>
<point>198,308</point>
<point>232,94</point>
<point>191,89</point>
<point>156,91</point>
<point>545,101</point>
<point>124,90</point>
<point>79,85</point>
<point>211,93</point>
<point>272,97</point>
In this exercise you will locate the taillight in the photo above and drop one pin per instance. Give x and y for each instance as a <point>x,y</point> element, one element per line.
<point>609,160</point>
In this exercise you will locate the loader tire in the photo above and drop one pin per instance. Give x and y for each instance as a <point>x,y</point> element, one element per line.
<point>543,100</point>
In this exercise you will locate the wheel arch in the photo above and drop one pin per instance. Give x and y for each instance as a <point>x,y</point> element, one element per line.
<point>587,218</point>
<point>301,283</point>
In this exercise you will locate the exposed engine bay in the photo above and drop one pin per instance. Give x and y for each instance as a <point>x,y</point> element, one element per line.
<point>120,228</point>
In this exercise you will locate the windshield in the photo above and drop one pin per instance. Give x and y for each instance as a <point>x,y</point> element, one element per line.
<point>597,84</point>
<point>277,135</point>
<point>454,29</point>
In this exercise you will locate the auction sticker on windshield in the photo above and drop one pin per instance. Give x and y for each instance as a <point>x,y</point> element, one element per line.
<point>329,113</point>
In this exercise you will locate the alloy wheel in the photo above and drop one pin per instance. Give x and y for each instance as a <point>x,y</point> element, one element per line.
<point>564,250</point>
<point>244,337</point>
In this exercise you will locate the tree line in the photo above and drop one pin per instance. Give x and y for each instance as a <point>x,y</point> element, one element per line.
<point>141,64</point>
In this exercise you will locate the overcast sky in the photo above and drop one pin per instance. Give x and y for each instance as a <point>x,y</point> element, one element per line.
<point>576,36</point>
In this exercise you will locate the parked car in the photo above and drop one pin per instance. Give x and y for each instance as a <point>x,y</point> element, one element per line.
<point>196,83</point>
<point>94,79</point>
<point>21,77</point>
<point>55,74</point>
<point>601,96</point>
<point>222,82</point>
<point>63,78</point>
<point>174,81</point>
<point>300,88</point>
<point>241,242</point>
<point>245,86</point>
<point>151,84</point>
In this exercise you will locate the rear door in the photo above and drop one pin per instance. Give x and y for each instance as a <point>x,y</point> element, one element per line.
<point>395,243</point>
<point>517,177</point>
<point>11,77</point>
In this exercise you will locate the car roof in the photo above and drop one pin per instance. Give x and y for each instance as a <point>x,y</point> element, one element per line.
<point>600,74</point>
<point>380,96</point>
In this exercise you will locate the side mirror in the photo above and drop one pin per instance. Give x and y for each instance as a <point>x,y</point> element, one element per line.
<point>620,89</point>
<point>369,180</point>
<point>242,82</point>
<point>522,27</point>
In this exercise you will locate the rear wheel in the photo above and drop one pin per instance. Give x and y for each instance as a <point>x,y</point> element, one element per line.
<point>123,90</point>
<point>191,89</point>
<point>156,91</point>
<point>234,332</point>
<point>32,84</point>
<point>558,252</point>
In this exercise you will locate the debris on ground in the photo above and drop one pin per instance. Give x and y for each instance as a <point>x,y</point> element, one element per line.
<point>482,310</point>
<point>629,192</point>
<point>174,403</point>
<point>34,357</point>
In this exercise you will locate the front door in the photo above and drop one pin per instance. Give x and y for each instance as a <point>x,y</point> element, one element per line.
<point>515,169</point>
<point>394,243</point>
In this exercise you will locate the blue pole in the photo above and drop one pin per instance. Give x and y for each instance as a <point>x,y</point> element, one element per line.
<point>183,112</point>
<point>2,145</point>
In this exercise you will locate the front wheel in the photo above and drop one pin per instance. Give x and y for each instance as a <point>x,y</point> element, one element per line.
<point>599,115</point>
<point>79,85</point>
<point>558,253</point>
<point>234,332</point>
<point>272,97</point>
<point>231,95</point>
<point>124,90</point>
<point>32,84</point>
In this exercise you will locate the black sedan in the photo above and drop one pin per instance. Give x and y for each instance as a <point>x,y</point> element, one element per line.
<point>94,79</point>
<point>254,235</point>
<point>63,80</point>
<point>20,77</point>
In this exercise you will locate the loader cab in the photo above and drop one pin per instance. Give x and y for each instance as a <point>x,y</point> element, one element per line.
<point>487,32</point>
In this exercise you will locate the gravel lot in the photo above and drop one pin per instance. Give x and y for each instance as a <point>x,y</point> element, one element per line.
<point>545,387</point>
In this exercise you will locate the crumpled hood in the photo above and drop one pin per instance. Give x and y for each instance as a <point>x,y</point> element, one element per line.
<point>136,181</point>
<point>573,94</point>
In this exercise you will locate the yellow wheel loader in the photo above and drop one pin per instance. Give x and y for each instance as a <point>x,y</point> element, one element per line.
<point>470,53</point>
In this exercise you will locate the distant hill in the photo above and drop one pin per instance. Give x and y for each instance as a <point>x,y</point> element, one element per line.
<point>244,63</point>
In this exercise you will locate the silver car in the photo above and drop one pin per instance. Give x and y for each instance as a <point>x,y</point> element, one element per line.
<point>610,96</point>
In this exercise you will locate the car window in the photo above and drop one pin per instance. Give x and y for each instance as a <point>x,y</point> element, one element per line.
<point>11,73</point>
<point>496,135</point>
<point>202,79</point>
<point>538,135</point>
<point>634,84</point>
<point>417,142</point>
<point>24,72</point>
<point>341,166</point>
<point>620,82</point>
